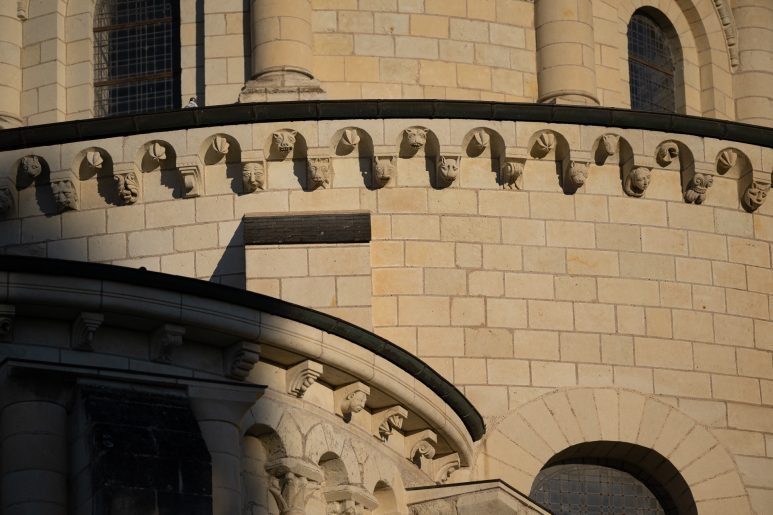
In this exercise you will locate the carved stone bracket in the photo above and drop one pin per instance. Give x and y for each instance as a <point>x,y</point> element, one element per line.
<point>319,172</point>
<point>444,467</point>
<point>283,142</point>
<point>64,186</point>
<point>575,175</point>
<point>697,188</point>
<point>164,340</point>
<point>302,376</point>
<point>385,421</point>
<point>30,166</point>
<point>349,500</point>
<point>415,137</point>
<point>7,316</point>
<point>756,192</point>
<point>7,196</point>
<point>293,482</point>
<point>608,145</point>
<point>351,399</point>
<point>420,449</point>
<point>447,169</point>
<point>637,181</point>
<point>511,173</point>
<point>127,183</point>
<point>384,168</point>
<point>253,176</point>
<point>239,358</point>
<point>84,328</point>
<point>190,175</point>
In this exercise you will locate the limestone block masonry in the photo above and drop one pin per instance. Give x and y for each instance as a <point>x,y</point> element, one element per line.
<point>575,282</point>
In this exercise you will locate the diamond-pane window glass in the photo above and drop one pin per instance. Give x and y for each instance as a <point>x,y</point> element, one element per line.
<point>136,56</point>
<point>650,66</point>
<point>585,489</point>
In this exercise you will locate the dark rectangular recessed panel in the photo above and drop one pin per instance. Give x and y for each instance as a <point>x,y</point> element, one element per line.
<point>351,227</point>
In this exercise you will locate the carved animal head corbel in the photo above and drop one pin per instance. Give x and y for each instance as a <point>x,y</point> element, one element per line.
<point>511,173</point>
<point>754,195</point>
<point>319,172</point>
<point>447,170</point>
<point>284,141</point>
<point>384,168</point>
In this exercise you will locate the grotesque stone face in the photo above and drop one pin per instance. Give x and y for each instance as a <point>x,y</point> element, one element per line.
<point>417,137</point>
<point>755,195</point>
<point>65,195</point>
<point>318,172</point>
<point>284,141</point>
<point>667,152</point>
<point>252,176</point>
<point>638,181</point>
<point>31,166</point>
<point>448,169</point>
<point>383,168</point>
<point>357,401</point>
<point>128,187</point>
<point>610,142</point>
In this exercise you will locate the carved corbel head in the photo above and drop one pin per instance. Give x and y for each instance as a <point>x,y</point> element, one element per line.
<point>351,399</point>
<point>447,170</point>
<point>384,168</point>
<point>190,175</point>
<point>30,167</point>
<point>128,185</point>
<point>667,152</point>
<point>754,195</point>
<point>576,175</point>
<point>284,141</point>
<point>253,176</point>
<point>415,137</point>
<point>697,188</point>
<point>609,144</point>
<point>64,186</point>
<point>637,181</point>
<point>544,143</point>
<point>511,174</point>
<point>318,172</point>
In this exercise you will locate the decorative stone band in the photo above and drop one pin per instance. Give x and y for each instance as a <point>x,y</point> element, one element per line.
<point>184,306</point>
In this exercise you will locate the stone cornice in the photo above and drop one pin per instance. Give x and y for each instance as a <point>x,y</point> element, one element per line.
<point>81,130</point>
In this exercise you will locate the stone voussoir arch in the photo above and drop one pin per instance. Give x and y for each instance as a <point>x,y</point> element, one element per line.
<point>536,431</point>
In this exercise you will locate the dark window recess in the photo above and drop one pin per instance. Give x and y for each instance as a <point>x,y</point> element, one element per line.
<point>650,66</point>
<point>136,57</point>
<point>585,489</point>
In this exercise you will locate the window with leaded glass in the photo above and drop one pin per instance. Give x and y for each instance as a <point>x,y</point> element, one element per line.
<point>136,56</point>
<point>650,65</point>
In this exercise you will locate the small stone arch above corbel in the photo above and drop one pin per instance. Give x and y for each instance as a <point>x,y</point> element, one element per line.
<point>90,162</point>
<point>753,185</point>
<point>572,167</point>
<point>486,143</point>
<point>634,177</point>
<point>29,170</point>
<point>696,178</point>
<point>220,148</point>
<point>154,155</point>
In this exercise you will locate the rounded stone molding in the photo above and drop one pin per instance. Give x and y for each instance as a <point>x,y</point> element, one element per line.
<point>536,431</point>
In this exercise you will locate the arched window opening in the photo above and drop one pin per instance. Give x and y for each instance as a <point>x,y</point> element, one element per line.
<point>136,56</point>
<point>651,66</point>
<point>606,478</point>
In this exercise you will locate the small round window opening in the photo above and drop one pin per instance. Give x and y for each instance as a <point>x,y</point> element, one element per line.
<point>650,66</point>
